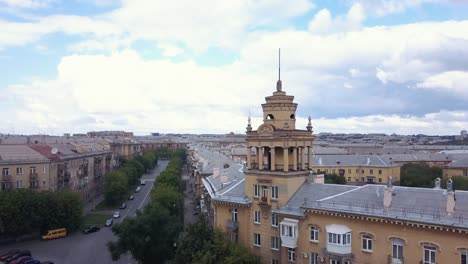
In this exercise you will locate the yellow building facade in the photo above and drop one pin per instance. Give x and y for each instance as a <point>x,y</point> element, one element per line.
<point>281,212</point>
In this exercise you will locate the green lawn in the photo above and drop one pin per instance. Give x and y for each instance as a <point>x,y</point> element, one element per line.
<point>95,219</point>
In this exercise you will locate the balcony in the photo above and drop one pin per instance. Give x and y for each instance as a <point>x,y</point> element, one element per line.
<point>34,184</point>
<point>289,232</point>
<point>33,176</point>
<point>263,203</point>
<point>391,260</point>
<point>6,178</point>
<point>233,225</point>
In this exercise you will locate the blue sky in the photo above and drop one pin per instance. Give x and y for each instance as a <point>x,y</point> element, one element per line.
<point>391,66</point>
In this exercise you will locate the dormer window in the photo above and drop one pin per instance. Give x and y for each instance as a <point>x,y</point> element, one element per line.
<point>292,116</point>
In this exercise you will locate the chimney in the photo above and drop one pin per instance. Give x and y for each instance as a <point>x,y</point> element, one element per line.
<point>437,183</point>
<point>215,172</point>
<point>388,193</point>
<point>450,197</point>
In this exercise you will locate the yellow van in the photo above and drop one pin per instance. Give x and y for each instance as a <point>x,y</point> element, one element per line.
<point>55,233</point>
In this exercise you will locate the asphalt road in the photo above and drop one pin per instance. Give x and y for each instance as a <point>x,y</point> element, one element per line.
<point>77,248</point>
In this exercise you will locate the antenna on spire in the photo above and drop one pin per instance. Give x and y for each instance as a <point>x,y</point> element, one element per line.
<point>278,83</point>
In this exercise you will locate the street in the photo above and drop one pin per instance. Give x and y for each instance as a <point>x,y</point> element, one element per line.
<point>78,248</point>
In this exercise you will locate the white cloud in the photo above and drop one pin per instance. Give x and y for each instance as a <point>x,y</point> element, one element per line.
<point>323,23</point>
<point>170,50</point>
<point>451,81</point>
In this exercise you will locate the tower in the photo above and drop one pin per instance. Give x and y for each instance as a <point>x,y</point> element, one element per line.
<point>279,158</point>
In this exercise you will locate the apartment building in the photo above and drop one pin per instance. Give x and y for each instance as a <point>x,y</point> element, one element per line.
<point>24,168</point>
<point>456,168</point>
<point>283,213</point>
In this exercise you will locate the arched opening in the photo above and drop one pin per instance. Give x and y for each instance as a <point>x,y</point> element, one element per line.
<point>270,117</point>
<point>292,116</point>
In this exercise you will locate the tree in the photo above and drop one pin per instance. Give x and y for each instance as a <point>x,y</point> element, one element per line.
<point>202,245</point>
<point>115,187</point>
<point>459,183</point>
<point>419,175</point>
<point>168,197</point>
<point>149,237</point>
<point>335,179</point>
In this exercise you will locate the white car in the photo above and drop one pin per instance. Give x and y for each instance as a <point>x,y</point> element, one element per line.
<point>116,215</point>
<point>138,189</point>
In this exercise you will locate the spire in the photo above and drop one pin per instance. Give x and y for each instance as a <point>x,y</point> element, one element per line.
<point>249,125</point>
<point>309,125</point>
<point>279,87</point>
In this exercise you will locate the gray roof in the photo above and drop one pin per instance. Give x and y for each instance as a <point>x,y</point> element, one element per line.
<point>408,203</point>
<point>19,153</point>
<point>349,160</point>
<point>462,163</point>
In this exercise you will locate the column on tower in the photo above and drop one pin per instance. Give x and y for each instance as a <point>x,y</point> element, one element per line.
<point>249,158</point>
<point>260,158</point>
<point>310,157</point>
<point>273,159</point>
<point>294,158</point>
<point>303,158</point>
<point>286,159</point>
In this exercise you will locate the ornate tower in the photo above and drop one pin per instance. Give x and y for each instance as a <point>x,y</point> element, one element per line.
<point>279,158</point>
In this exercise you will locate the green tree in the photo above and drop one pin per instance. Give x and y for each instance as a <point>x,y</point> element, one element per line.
<point>459,183</point>
<point>115,187</point>
<point>419,175</point>
<point>168,197</point>
<point>149,237</point>
<point>335,179</point>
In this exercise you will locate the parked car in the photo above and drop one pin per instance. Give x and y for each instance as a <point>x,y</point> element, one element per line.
<point>109,222</point>
<point>123,206</point>
<point>143,182</point>
<point>8,254</point>
<point>138,189</point>
<point>116,215</point>
<point>20,260</point>
<point>131,197</point>
<point>91,229</point>
<point>15,256</point>
<point>31,261</point>
<point>55,233</point>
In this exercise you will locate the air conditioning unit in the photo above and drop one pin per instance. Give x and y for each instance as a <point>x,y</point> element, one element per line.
<point>321,259</point>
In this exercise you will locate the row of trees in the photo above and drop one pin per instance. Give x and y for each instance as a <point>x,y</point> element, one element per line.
<point>151,236</point>
<point>422,175</point>
<point>118,182</point>
<point>24,212</point>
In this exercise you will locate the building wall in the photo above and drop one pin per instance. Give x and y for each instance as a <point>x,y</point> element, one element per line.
<point>354,174</point>
<point>44,180</point>
<point>452,172</point>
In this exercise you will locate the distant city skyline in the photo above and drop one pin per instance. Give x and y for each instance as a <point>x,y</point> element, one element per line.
<point>354,66</point>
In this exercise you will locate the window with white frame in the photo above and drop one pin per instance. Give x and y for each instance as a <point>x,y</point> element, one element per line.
<point>291,254</point>
<point>274,220</point>
<point>275,243</point>
<point>234,214</point>
<point>314,233</point>
<point>19,184</point>
<point>19,171</point>
<point>44,170</point>
<point>367,243</point>
<point>5,172</point>
<point>397,249</point>
<point>464,257</point>
<point>339,239</point>
<point>257,217</point>
<point>256,190</point>
<point>274,192</point>
<point>288,231</point>
<point>274,261</point>
<point>32,170</point>
<point>429,255</point>
<point>313,258</point>
<point>257,241</point>
<point>334,261</point>
<point>264,191</point>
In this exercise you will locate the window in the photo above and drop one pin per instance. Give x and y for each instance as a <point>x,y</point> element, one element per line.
<point>362,179</point>
<point>380,180</point>
<point>274,261</point>
<point>326,171</point>
<point>380,172</point>
<point>44,170</point>
<point>349,179</point>
<point>397,249</point>
<point>5,172</point>
<point>314,233</point>
<point>429,255</point>
<point>19,184</point>
<point>44,183</point>
<point>32,170</point>
<point>357,170</point>
<point>371,171</point>
<point>313,258</point>
<point>338,239</point>
<point>333,171</point>
<point>288,231</point>
<point>264,191</point>
<point>349,171</point>
<point>256,190</point>
<point>234,214</point>
<point>362,171</point>
<point>257,217</point>
<point>464,257</point>
<point>367,243</point>
<point>274,192</point>
<point>275,242</point>
<point>465,173</point>
<point>257,241</point>
<point>334,261</point>
<point>19,171</point>
<point>274,220</point>
<point>291,254</point>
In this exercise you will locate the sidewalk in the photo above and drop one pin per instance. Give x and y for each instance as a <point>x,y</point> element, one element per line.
<point>189,205</point>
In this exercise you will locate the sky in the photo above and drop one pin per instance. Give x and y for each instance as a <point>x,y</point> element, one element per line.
<point>354,66</point>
